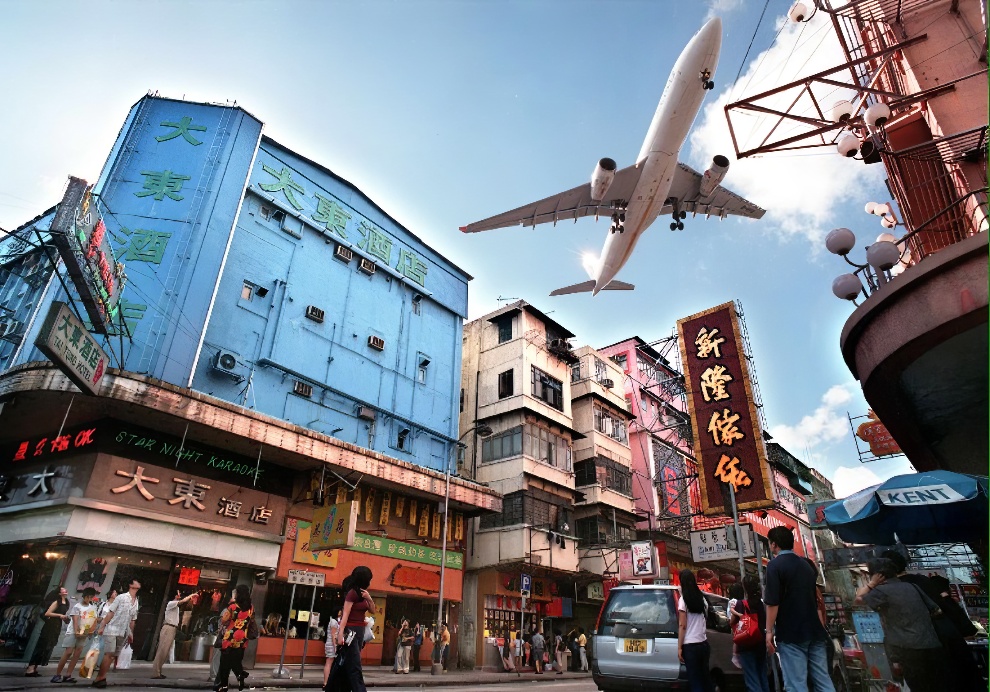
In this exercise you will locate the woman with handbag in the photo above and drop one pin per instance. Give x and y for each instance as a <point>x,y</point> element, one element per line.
<point>346,669</point>
<point>237,625</point>
<point>749,636</point>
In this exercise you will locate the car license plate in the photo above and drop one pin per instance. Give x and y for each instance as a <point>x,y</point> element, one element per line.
<point>635,646</point>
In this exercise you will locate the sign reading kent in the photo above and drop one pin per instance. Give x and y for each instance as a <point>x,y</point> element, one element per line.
<point>940,494</point>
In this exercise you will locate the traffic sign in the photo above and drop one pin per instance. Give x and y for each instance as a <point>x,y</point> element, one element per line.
<point>525,585</point>
<point>301,576</point>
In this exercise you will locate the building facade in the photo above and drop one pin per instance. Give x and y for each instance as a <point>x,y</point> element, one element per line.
<point>280,343</point>
<point>516,379</point>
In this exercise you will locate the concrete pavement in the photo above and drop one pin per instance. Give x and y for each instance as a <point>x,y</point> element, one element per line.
<point>192,676</point>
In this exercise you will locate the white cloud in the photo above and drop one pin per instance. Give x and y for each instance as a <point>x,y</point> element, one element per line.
<point>719,8</point>
<point>850,479</point>
<point>826,425</point>
<point>799,190</point>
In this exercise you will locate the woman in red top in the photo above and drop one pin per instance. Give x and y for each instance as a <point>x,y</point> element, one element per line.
<point>346,670</point>
<point>234,625</point>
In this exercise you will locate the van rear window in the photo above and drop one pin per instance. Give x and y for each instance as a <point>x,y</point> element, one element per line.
<point>655,610</point>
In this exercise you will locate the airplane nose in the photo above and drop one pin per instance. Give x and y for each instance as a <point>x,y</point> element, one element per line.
<point>712,26</point>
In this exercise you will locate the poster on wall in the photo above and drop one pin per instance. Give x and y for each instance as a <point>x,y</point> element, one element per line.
<point>643,564</point>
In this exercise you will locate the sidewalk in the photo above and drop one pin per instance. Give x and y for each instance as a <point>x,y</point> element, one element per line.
<point>192,676</point>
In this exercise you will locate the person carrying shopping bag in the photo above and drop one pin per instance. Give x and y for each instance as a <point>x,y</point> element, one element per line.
<point>236,627</point>
<point>346,671</point>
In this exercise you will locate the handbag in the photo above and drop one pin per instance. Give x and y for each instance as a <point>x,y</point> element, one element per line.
<point>252,628</point>
<point>746,634</point>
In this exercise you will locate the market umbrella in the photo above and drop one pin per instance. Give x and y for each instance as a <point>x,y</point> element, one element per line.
<point>930,507</point>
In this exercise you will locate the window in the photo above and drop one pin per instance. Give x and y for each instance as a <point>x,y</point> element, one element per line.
<point>505,384</point>
<point>545,446</point>
<point>576,371</point>
<point>548,389</point>
<point>609,424</point>
<point>533,507</point>
<point>620,360</point>
<point>502,446</point>
<point>403,440</point>
<point>266,212</point>
<point>247,291</point>
<point>462,399</point>
<point>504,325</point>
<point>421,369</point>
<point>601,372</point>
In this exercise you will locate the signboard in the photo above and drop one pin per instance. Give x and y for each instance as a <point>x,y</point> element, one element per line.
<point>64,339</point>
<point>816,514</point>
<point>728,441</point>
<point>303,551</point>
<point>625,565</point>
<point>189,576</point>
<point>714,544</point>
<point>875,434</point>
<point>858,555</point>
<point>643,564</point>
<point>525,585</point>
<point>333,526</point>
<point>80,235</point>
<point>301,576</point>
<point>376,545</point>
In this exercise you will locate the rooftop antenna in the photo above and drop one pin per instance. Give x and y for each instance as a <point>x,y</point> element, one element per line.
<point>500,299</point>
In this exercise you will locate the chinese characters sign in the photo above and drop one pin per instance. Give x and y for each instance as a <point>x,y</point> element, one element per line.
<point>64,339</point>
<point>333,526</point>
<point>715,544</point>
<point>304,552</point>
<point>728,441</point>
<point>407,551</point>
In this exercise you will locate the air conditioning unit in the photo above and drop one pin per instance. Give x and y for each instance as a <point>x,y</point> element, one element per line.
<point>367,266</point>
<point>560,344</point>
<point>366,413</point>
<point>607,384</point>
<point>343,253</point>
<point>225,362</point>
<point>302,389</point>
<point>376,342</point>
<point>314,313</point>
<point>534,558</point>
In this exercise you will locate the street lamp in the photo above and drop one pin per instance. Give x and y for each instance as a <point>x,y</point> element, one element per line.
<point>482,431</point>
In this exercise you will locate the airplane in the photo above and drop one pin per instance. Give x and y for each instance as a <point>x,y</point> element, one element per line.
<point>657,184</point>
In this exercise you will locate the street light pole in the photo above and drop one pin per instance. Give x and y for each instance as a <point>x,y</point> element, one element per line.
<point>483,431</point>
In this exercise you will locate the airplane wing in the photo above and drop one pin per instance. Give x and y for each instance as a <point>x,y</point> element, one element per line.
<point>721,202</point>
<point>572,204</point>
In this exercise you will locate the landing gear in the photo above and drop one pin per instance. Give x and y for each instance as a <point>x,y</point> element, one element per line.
<point>706,80</point>
<point>677,215</point>
<point>618,219</point>
<point>677,226</point>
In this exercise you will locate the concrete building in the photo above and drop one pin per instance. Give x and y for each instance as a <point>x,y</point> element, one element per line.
<point>516,379</point>
<point>281,343</point>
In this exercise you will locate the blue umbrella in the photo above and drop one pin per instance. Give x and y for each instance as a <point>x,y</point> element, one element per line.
<point>930,507</point>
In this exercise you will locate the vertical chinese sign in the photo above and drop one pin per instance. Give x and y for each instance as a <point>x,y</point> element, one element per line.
<point>728,442</point>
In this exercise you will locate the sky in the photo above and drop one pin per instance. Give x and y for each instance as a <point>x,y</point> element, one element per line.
<point>449,111</point>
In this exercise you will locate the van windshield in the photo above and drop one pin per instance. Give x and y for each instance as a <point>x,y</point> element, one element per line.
<point>643,608</point>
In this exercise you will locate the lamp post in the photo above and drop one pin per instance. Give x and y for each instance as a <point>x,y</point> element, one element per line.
<point>482,431</point>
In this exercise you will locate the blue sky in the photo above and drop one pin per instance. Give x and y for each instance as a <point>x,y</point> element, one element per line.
<point>447,112</point>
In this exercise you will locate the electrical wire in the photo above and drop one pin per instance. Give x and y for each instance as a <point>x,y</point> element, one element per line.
<point>742,63</point>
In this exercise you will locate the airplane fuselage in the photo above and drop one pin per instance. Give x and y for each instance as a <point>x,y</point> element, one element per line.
<point>678,107</point>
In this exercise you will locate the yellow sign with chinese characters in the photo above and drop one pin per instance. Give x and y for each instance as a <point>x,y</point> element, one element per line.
<point>334,526</point>
<point>303,550</point>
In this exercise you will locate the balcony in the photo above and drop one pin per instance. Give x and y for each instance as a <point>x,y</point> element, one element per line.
<point>918,345</point>
<point>522,543</point>
<point>600,495</point>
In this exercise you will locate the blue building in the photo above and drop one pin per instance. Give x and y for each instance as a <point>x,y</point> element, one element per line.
<point>260,277</point>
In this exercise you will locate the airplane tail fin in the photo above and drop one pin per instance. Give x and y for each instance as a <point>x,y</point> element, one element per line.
<point>589,286</point>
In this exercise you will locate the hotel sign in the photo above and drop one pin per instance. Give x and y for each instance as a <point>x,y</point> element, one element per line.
<point>728,441</point>
<point>64,339</point>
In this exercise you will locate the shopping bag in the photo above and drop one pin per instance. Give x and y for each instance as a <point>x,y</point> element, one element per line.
<point>91,660</point>
<point>746,633</point>
<point>124,659</point>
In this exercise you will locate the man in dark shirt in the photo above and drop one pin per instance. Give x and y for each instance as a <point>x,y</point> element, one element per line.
<point>792,615</point>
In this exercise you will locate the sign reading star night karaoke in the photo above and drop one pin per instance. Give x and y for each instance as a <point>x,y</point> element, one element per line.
<point>728,441</point>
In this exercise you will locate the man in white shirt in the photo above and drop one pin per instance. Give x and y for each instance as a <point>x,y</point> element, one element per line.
<point>117,628</point>
<point>169,628</point>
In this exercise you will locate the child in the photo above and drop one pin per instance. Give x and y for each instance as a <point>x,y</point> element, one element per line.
<point>736,594</point>
<point>82,620</point>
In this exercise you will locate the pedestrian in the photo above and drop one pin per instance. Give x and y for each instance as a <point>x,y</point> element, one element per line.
<point>234,624</point>
<point>527,648</point>
<point>167,634</point>
<point>404,649</point>
<point>952,627</point>
<point>582,642</point>
<point>117,628</point>
<point>753,659</point>
<point>909,635</point>
<point>346,671</point>
<point>693,648</point>
<point>506,652</point>
<point>572,646</point>
<point>82,622</point>
<point>55,617</point>
<point>416,646</point>
<point>792,617</point>
<point>330,648</point>
<point>559,651</point>
<point>444,645</point>
<point>736,594</point>
<point>538,644</point>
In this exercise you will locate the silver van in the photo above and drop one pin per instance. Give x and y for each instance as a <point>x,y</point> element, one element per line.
<point>635,642</point>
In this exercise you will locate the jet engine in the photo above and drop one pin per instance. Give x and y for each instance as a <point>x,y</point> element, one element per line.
<point>601,178</point>
<point>713,176</point>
